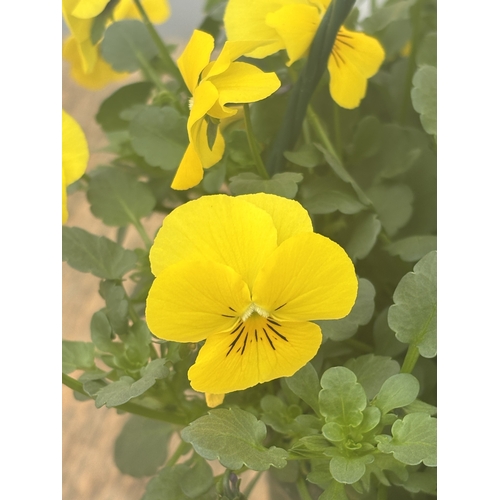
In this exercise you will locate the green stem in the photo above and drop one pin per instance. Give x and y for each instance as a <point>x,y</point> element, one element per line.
<point>412,63</point>
<point>142,233</point>
<point>321,133</point>
<point>411,359</point>
<point>251,484</point>
<point>150,73</point>
<point>358,345</point>
<point>261,169</point>
<point>133,408</point>
<point>171,67</point>
<point>302,488</point>
<point>182,449</point>
<point>337,129</point>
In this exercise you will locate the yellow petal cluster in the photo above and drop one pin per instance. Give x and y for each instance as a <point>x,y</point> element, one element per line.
<point>88,68</point>
<point>247,275</point>
<point>291,25</point>
<point>75,156</point>
<point>214,85</point>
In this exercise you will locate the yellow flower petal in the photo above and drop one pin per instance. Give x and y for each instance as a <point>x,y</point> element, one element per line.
<point>158,11</point>
<point>193,299</point>
<point>208,156</point>
<point>214,400</point>
<point>308,277</point>
<point>79,28</point>
<point>243,82</point>
<point>195,57</point>
<point>245,20</point>
<point>75,150</point>
<point>190,171</point>
<point>296,25</point>
<point>253,354</point>
<point>289,216</point>
<point>87,9</point>
<point>355,58</point>
<point>220,228</point>
<point>99,76</point>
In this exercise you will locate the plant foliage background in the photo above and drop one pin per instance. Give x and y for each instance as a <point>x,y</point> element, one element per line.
<point>359,420</point>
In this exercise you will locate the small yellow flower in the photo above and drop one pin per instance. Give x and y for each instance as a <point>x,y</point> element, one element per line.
<point>247,275</point>
<point>213,85</point>
<point>75,156</point>
<point>291,25</point>
<point>88,68</point>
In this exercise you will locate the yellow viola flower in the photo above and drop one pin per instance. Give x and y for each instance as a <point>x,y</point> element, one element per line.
<point>213,85</point>
<point>88,68</point>
<point>291,25</point>
<point>96,78</point>
<point>75,156</point>
<point>247,275</point>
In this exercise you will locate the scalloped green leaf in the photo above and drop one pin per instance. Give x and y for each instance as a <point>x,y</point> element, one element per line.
<point>342,399</point>
<point>126,44</point>
<point>283,184</point>
<point>77,356</point>
<point>363,237</point>
<point>97,255</point>
<point>361,314</point>
<point>386,342</point>
<point>125,389</point>
<point>141,447</point>
<point>424,97</point>
<point>305,384</point>
<point>398,391</point>
<point>413,248</point>
<point>413,315</point>
<point>234,437</point>
<point>372,371</point>
<point>159,135</point>
<point>118,198</point>
<point>334,491</point>
<point>348,469</point>
<point>414,440</point>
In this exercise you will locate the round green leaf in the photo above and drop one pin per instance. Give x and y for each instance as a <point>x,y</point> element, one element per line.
<point>424,97</point>
<point>398,391</point>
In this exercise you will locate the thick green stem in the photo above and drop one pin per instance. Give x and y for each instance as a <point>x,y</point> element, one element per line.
<point>411,359</point>
<point>77,386</point>
<point>321,133</point>
<point>261,169</point>
<point>142,233</point>
<point>150,73</point>
<point>171,67</point>
<point>182,449</point>
<point>302,488</point>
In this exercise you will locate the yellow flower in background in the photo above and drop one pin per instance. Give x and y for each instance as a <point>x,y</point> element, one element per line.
<point>75,156</point>
<point>246,274</point>
<point>213,85</point>
<point>88,68</point>
<point>291,25</point>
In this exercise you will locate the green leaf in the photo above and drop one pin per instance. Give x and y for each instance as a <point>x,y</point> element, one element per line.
<point>333,432</point>
<point>234,437</point>
<point>305,385</point>
<point>126,44</point>
<point>126,388</point>
<point>393,205</point>
<point>77,356</point>
<point>159,135</point>
<point>214,178</point>
<point>98,255</point>
<point>427,51</point>
<point>425,481</point>
<point>371,418</point>
<point>141,447</point>
<point>283,184</point>
<point>334,491</point>
<point>420,407</point>
<point>424,97</point>
<point>385,339</point>
<point>413,440</point>
<point>413,248</point>
<point>382,17</point>
<point>348,469</point>
<point>367,138</point>
<point>342,399</point>
<point>398,391</point>
<point>361,313</point>
<point>327,202</point>
<point>383,463</point>
<point>307,155</point>
<point>196,478</point>
<point>413,315</point>
<point>116,305</point>
<point>372,371</point>
<point>118,198</point>
<point>108,116</point>
<point>363,237</point>
<point>102,334</point>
